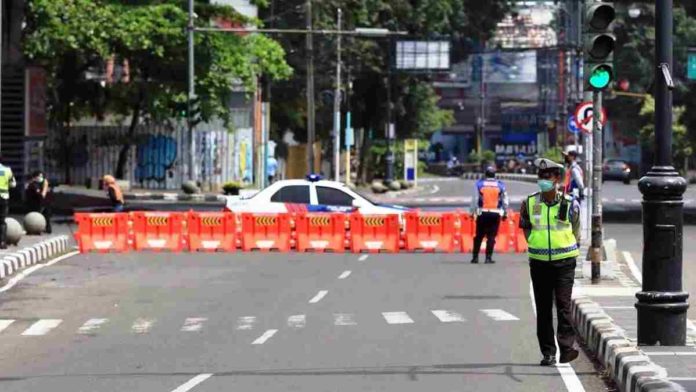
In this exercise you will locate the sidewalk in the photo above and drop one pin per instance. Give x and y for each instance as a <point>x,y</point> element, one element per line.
<point>606,319</point>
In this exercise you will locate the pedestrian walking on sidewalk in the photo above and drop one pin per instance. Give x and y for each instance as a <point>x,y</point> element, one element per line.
<point>489,206</point>
<point>551,222</point>
<point>7,181</point>
<point>114,193</point>
<point>38,198</point>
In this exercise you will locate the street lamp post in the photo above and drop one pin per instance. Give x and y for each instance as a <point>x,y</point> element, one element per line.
<point>191,90</point>
<point>662,304</point>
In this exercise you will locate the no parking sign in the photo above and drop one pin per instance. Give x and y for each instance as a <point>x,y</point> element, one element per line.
<point>584,114</point>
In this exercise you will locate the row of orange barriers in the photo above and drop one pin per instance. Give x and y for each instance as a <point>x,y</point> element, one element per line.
<point>336,232</point>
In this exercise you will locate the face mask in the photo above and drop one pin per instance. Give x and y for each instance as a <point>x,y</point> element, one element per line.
<point>545,185</point>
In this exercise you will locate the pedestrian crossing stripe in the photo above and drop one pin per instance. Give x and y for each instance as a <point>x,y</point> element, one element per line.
<point>374,221</point>
<point>211,220</point>
<point>265,220</point>
<point>103,221</point>
<point>157,220</point>
<point>319,220</point>
<point>430,220</point>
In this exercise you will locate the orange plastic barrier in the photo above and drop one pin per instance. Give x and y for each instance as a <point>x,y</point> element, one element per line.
<point>266,232</point>
<point>158,231</point>
<point>502,240</point>
<point>321,232</point>
<point>374,233</point>
<point>519,240</point>
<point>432,231</point>
<point>102,232</point>
<point>468,230</point>
<point>212,231</point>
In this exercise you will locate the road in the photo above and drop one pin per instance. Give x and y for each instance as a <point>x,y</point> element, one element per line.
<point>276,322</point>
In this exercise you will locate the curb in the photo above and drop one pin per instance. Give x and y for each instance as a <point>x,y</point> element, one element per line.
<point>629,367</point>
<point>46,249</point>
<point>174,197</point>
<point>502,176</point>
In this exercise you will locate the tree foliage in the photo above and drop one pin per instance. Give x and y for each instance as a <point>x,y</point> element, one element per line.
<point>682,145</point>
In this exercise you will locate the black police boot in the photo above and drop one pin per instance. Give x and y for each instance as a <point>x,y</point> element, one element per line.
<point>474,260</point>
<point>489,260</point>
<point>548,360</point>
<point>568,356</point>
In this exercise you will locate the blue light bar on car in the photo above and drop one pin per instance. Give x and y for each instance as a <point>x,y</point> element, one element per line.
<point>313,177</point>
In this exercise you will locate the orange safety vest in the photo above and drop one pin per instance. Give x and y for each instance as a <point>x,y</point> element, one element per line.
<point>490,196</point>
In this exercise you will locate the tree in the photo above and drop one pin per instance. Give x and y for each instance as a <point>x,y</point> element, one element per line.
<point>682,146</point>
<point>151,37</point>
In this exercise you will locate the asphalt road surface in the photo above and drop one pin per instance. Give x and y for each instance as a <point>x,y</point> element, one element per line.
<point>276,322</point>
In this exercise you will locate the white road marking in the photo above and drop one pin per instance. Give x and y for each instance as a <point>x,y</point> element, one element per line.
<point>190,384</point>
<point>266,335</point>
<point>246,322</point>
<point>448,317</point>
<point>633,267</point>
<point>682,378</point>
<point>142,325</point>
<point>344,275</point>
<point>620,200</point>
<point>363,257</point>
<point>91,325</point>
<point>635,200</point>
<point>344,319</point>
<point>397,318</point>
<point>23,274</point>
<point>321,294</point>
<point>41,327</point>
<point>499,315</point>
<point>297,321</point>
<point>570,379</point>
<point>193,324</point>
<point>586,291</point>
<point>435,190</point>
<point>5,323</point>
<point>670,353</point>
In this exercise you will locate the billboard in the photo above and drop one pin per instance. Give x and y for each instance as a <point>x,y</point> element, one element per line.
<point>422,55</point>
<point>505,67</point>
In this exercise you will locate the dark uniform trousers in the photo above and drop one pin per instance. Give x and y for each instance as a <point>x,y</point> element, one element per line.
<point>4,210</point>
<point>553,279</point>
<point>486,226</point>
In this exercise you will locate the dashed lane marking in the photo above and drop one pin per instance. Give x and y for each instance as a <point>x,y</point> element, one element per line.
<point>447,316</point>
<point>499,315</point>
<point>344,319</point>
<point>266,335</point>
<point>190,384</point>
<point>142,325</point>
<point>321,294</point>
<point>91,325</point>
<point>193,324</point>
<point>363,257</point>
<point>632,266</point>
<point>397,318</point>
<point>344,275</point>
<point>297,321</point>
<point>5,323</point>
<point>41,327</point>
<point>246,322</point>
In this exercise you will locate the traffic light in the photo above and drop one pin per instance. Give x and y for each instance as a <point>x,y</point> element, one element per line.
<point>181,110</point>
<point>599,45</point>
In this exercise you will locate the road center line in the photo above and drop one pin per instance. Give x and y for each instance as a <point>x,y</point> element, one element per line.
<point>321,294</point>
<point>266,335</point>
<point>633,267</point>
<point>363,257</point>
<point>570,379</point>
<point>190,384</point>
<point>344,275</point>
<point>23,274</point>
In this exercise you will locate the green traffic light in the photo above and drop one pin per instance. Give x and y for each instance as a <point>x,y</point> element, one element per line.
<point>600,77</point>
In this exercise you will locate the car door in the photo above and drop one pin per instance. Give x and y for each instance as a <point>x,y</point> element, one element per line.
<point>294,198</point>
<point>333,199</point>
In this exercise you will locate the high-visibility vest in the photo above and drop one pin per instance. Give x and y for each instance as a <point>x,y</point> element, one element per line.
<point>569,182</point>
<point>489,191</point>
<point>551,238</point>
<point>5,181</point>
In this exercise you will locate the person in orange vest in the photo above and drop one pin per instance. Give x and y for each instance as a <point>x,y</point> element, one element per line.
<point>114,193</point>
<point>489,205</point>
<point>573,182</point>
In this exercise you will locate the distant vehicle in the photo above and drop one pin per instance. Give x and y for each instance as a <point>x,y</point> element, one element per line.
<point>616,169</point>
<point>310,195</point>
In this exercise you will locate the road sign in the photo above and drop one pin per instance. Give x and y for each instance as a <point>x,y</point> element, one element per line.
<point>410,159</point>
<point>572,125</point>
<point>583,116</point>
<point>691,67</point>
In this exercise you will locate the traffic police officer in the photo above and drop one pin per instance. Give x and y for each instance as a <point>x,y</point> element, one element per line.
<point>550,220</point>
<point>7,181</point>
<point>489,204</point>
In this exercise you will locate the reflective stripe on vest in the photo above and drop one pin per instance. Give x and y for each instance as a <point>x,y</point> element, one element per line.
<point>550,238</point>
<point>5,178</point>
<point>490,195</point>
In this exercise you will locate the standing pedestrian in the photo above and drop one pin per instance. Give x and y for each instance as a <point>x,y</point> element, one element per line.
<point>114,193</point>
<point>551,222</point>
<point>489,204</point>
<point>7,181</point>
<point>37,197</point>
<point>574,185</point>
<point>271,169</point>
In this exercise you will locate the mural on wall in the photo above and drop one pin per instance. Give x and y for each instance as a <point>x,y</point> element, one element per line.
<point>155,156</point>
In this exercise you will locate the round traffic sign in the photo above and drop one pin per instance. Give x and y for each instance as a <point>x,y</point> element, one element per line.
<point>572,125</point>
<point>584,115</point>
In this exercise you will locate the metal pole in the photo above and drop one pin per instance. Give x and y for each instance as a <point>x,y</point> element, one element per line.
<point>191,90</point>
<point>337,107</point>
<point>2,47</point>
<point>596,244</point>
<point>390,124</point>
<point>482,96</point>
<point>662,303</point>
<point>310,87</point>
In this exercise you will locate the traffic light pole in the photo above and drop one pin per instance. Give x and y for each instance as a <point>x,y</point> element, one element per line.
<point>596,244</point>
<point>662,303</point>
<point>191,91</point>
<point>311,135</point>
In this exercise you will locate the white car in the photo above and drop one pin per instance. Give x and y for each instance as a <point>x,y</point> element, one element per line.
<point>310,195</point>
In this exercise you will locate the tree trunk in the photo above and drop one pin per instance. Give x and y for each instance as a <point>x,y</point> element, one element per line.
<point>123,154</point>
